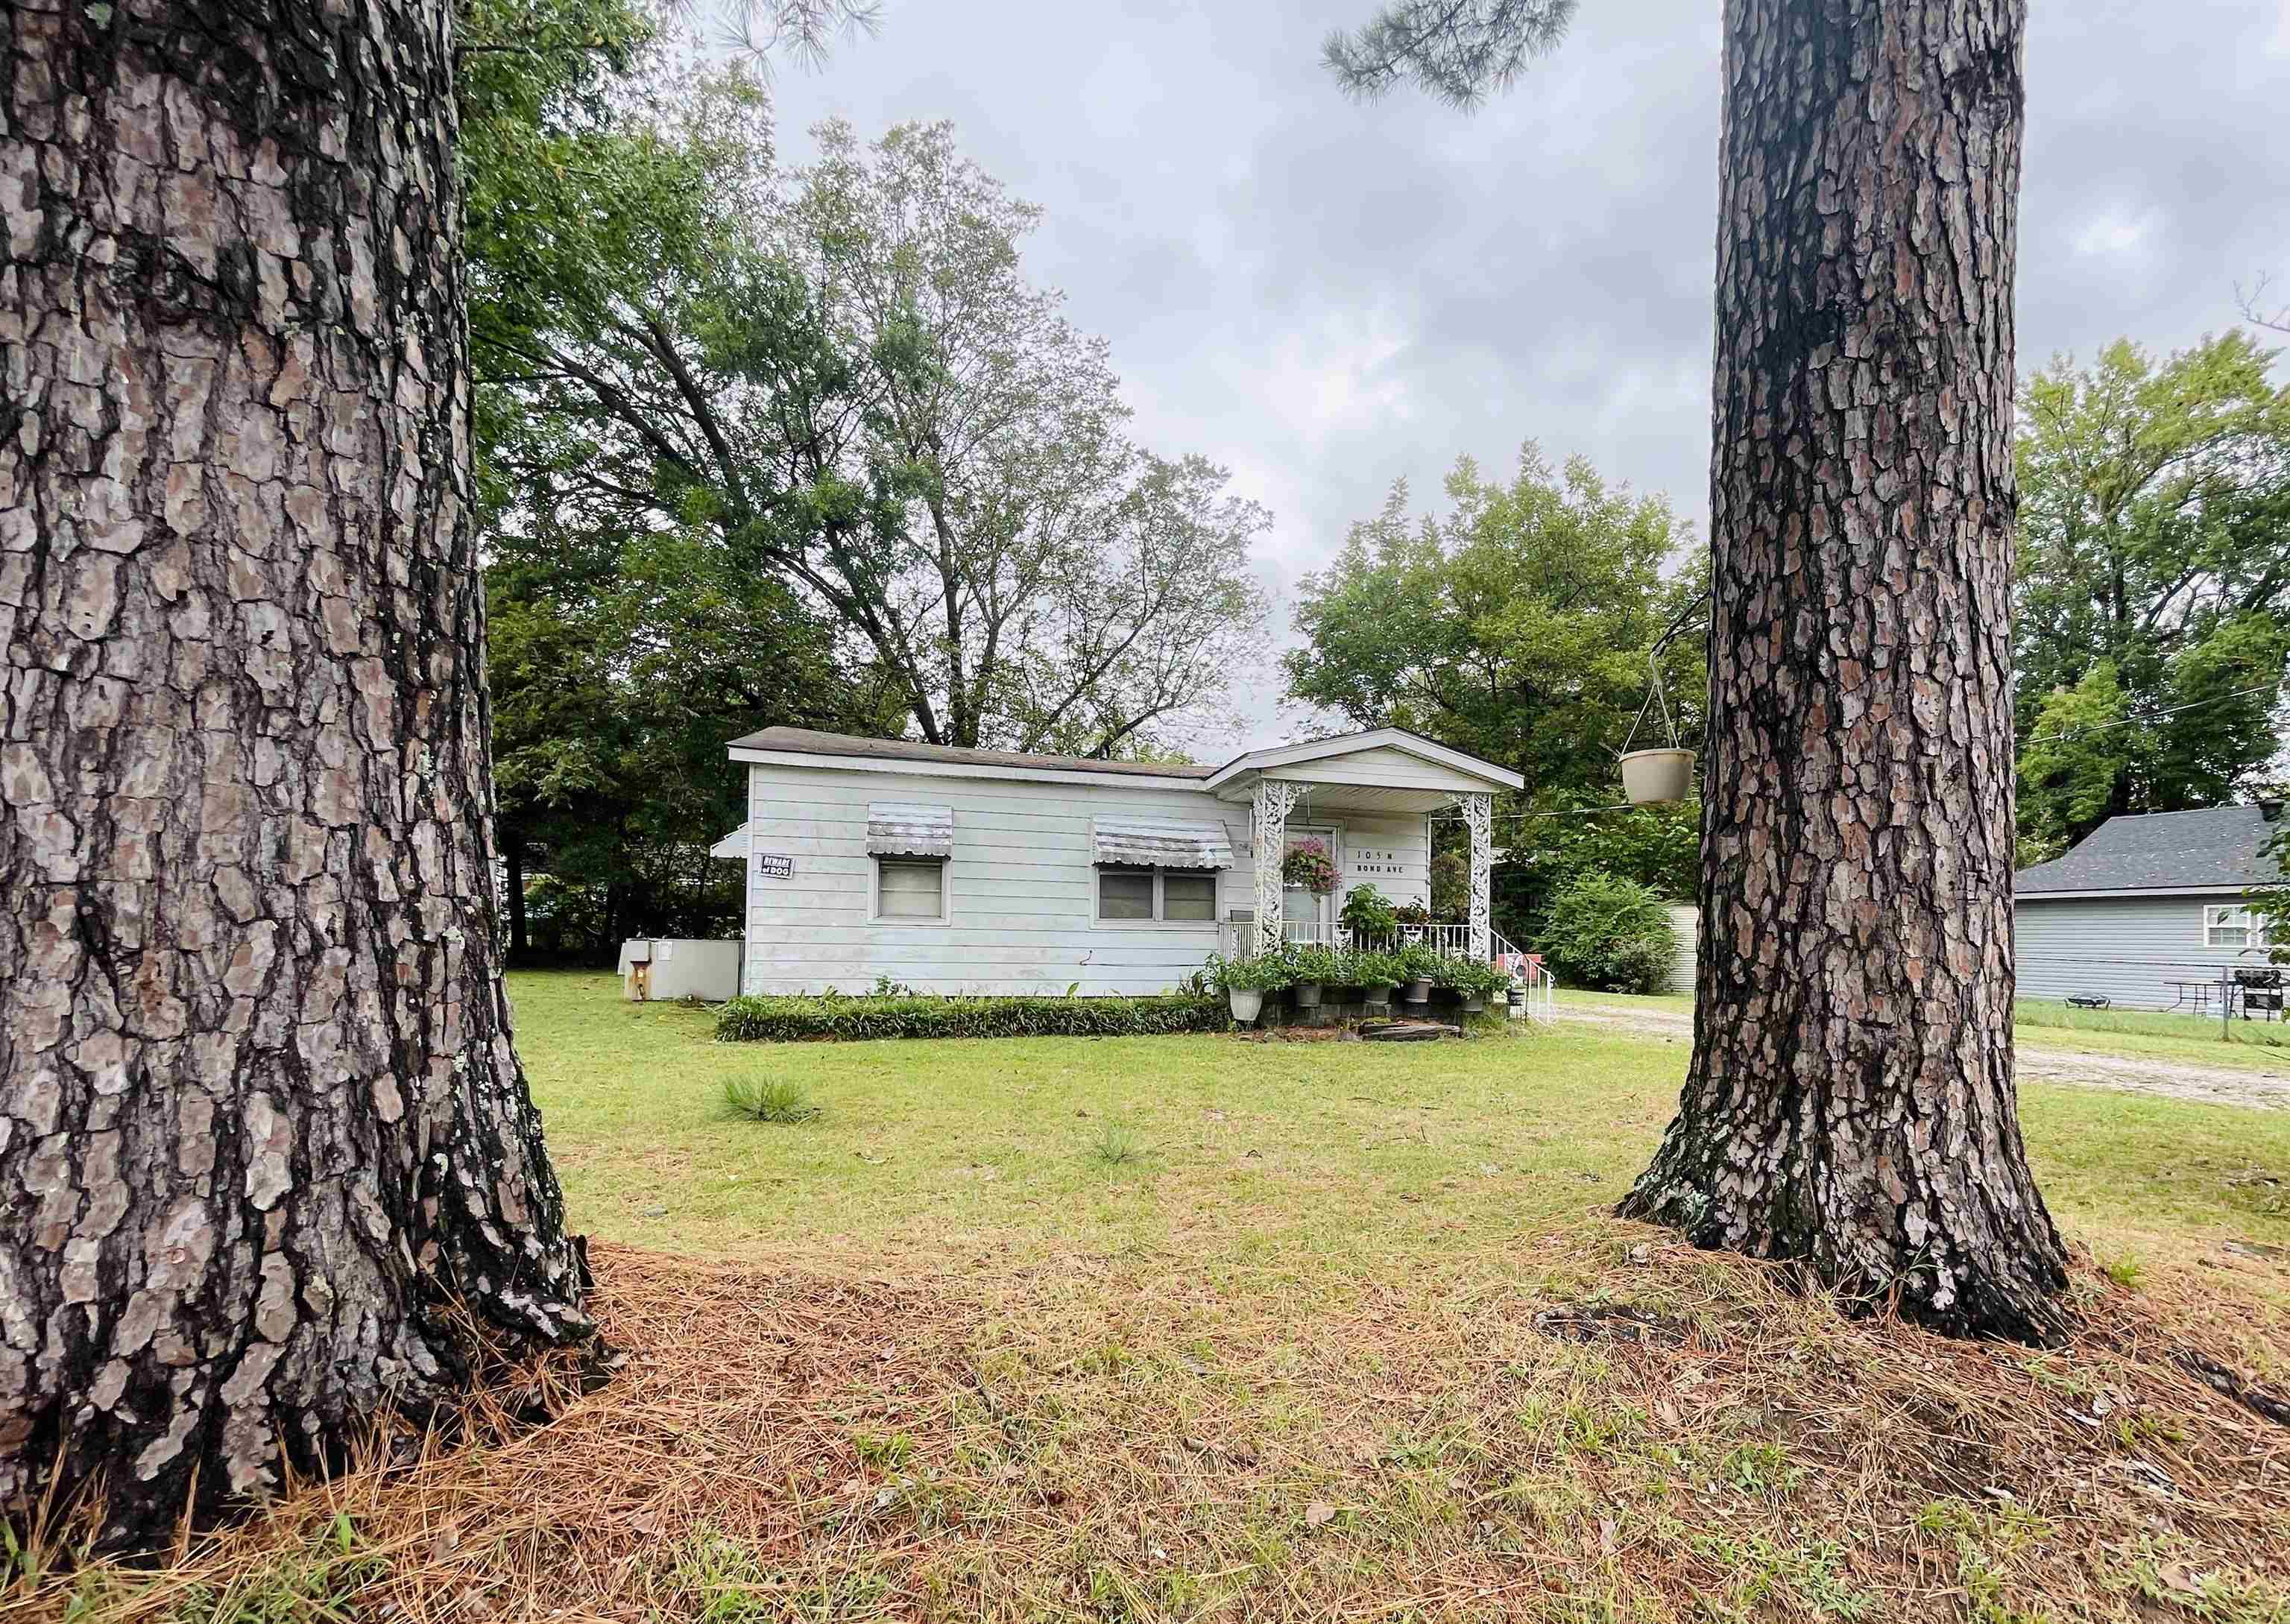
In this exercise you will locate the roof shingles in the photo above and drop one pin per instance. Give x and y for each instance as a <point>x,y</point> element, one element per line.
<point>2217,846</point>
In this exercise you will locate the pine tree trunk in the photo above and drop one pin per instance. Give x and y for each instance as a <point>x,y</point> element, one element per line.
<point>520,945</point>
<point>1851,1099</point>
<point>261,1119</point>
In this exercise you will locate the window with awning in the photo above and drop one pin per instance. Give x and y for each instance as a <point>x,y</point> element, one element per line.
<point>1159,843</point>
<point>1171,896</point>
<point>898,829</point>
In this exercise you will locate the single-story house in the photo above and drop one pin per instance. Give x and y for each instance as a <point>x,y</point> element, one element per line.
<point>990,871</point>
<point>2147,911</point>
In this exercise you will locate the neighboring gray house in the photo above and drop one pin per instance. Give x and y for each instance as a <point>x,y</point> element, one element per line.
<point>2147,910</point>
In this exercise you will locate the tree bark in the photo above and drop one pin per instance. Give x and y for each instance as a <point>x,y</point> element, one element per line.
<point>262,1123</point>
<point>520,945</point>
<point>1850,1102</point>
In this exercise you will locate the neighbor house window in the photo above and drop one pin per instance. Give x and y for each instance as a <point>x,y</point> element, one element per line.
<point>1146,894</point>
<point>910,890</point>
<point>2229,925</point>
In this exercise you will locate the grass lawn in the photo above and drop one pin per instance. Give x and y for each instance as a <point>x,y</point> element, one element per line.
<point>1212,1328</point>
<point>947,1153</point>
<point>2251,1045</point>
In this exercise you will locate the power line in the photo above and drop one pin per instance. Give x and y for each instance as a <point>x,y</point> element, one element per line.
<point>2073,732</point>
<point>2154,715</point>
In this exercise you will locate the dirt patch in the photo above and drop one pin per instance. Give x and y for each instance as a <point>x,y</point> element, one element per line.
<point>2126,1073</point>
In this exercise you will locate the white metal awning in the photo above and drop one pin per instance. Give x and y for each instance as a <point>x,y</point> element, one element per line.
<point>732,847</point>
<point>898,828</point>
<point>1158,843</point>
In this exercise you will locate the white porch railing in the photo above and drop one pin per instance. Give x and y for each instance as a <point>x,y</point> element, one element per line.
<point>1447,940</point>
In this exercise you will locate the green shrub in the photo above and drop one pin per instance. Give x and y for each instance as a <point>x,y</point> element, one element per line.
<point>1472,979</point>
<point>1419,962</point>
<point>1316,962</point>
<point>1376,969</point>
<point>769,1100</point>
<point>1609,933</point>
<point>1262,972</point>
<point>1367,912</point>
<point>788,1019</point>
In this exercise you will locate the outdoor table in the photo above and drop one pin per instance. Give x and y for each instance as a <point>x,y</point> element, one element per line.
<point>2197,993</point>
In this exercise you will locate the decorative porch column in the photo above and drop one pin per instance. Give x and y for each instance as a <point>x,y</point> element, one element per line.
<point>1479,812</point>
<point>1275,798</point>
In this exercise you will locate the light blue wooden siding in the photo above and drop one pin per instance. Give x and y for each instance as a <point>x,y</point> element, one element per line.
<point>1020,887</point>
<point>2127,949</point>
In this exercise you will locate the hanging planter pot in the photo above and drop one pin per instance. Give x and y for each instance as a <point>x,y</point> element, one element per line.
<point>1417,991</point>
<point>1307,994</point>
<point>1651,776</point>
<point>1665,774</point>
<point>1247,1001</point>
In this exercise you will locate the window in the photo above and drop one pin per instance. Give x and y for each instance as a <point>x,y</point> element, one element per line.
<point>1143,895</point>
<point>2228,925</point>
<point>910,891</point>
<point>1190,897</point>
<point>1124,893</point>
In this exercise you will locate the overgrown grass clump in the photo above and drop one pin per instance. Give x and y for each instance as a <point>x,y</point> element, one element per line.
<point>780,1100</point>
<point>791,1019</point>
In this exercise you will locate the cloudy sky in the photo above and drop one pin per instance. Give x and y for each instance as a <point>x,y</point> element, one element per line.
<point>1325,296</point>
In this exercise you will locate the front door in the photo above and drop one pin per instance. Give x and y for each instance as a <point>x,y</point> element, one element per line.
<point>1310,916</point>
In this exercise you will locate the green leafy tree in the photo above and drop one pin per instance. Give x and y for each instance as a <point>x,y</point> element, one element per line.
<point>2271,903</point>
<point>1515,625</point>
<point>2153,632</point>
<point>856,396</point>
<point>1518,626</point>
<point>602,175</point>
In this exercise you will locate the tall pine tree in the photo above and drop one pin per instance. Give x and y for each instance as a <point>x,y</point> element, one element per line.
<point>1850,1101</point>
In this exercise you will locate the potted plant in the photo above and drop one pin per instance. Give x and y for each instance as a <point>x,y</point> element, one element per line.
<point>1312,967</point>
<point>1308,865</point>
<point>1650,776</point>
<point>1376,974</point>
<point>1419,967</point>
<point>1476,983</point>
<point>1368,914</point>
<point>1412,913</point>
<point>1246,980</point>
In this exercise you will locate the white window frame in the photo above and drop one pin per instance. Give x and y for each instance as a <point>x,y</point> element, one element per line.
<point>2234,917</point>
<point>1160,921</point>
<point>875,914</point>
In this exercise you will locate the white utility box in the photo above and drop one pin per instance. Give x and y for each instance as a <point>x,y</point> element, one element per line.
<point>659,967</point>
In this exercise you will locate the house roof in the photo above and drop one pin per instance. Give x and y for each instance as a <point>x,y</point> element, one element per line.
<point>809,741</point>
<point>2216,848</point>
<point>851,747</point>
<point>1344,744</point>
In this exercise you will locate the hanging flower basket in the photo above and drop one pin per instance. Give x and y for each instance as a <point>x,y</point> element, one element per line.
<point>1307,864</point>
<point>1649,776</point>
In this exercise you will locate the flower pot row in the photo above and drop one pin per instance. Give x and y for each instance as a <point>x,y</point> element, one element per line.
<point>1306,973</point>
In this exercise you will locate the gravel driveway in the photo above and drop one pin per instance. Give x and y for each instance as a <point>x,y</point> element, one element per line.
<point>2129,1074</point>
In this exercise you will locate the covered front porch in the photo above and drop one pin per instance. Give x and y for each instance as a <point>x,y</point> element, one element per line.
<point>1367,803</point>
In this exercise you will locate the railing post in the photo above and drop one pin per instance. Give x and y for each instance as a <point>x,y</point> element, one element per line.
<point>1479,812</point>
<point>1275,800</point>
